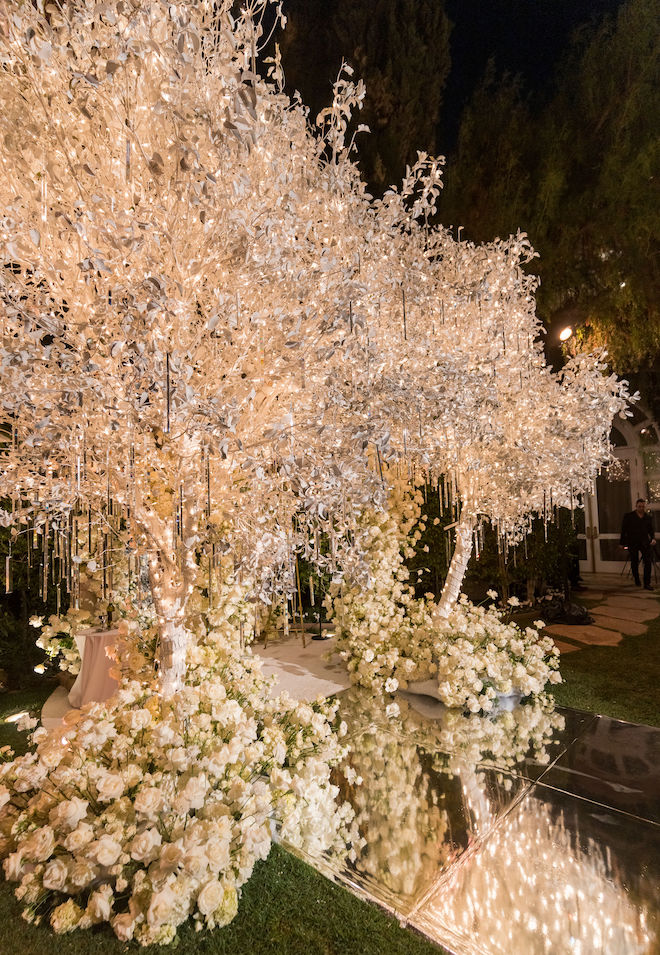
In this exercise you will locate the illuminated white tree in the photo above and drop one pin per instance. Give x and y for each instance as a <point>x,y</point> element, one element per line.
<point>210,329</point>
<point>176,290</point>
<point>468,392</point>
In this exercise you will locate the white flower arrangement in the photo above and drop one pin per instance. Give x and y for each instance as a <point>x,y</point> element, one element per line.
<point>388,638</point>
<point>57,637</point>
<point>379,627</point>
<point>151,811</point>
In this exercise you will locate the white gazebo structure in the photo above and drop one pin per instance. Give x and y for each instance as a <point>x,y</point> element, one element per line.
<point>635,474</point>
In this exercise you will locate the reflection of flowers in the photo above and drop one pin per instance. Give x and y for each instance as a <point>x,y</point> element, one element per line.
<point>398,812</point>
<point>152,810</point>
<point>501,739</point>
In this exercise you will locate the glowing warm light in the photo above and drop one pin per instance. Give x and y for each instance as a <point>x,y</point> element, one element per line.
<point>565,333</point>
<point>213,339</point>
<point>16,717</point>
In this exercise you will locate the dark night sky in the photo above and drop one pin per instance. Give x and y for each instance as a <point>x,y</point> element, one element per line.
<point>522,36</point>
<point>526,37</point>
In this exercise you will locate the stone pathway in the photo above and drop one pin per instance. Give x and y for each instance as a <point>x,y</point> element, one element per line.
<point>618,607</point>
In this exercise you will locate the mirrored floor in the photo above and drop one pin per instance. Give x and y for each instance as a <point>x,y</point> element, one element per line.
<point>530,831</point>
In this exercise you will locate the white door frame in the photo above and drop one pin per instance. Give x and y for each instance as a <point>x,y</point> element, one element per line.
<point>632,452</point>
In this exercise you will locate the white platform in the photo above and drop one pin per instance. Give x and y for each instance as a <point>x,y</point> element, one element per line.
<point>303,673</point>
<point>55,708</point>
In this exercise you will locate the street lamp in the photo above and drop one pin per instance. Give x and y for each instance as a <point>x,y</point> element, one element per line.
<point>565,333</point>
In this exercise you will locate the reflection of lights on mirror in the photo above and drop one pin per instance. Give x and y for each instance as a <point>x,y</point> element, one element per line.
<point>15,717</point>
<point>565,333</point>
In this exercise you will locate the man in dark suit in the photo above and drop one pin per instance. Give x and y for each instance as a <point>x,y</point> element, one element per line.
<point>638,538</point>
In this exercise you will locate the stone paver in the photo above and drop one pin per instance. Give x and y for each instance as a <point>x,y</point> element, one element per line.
<point>565,647</point>
<point>618,609</point>
<point>630,628</point>
<point>598,636</point>
<point>632,600</point>
<point>640,614</point>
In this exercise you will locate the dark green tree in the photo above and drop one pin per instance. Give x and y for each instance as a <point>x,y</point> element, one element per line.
<point>579,174</point>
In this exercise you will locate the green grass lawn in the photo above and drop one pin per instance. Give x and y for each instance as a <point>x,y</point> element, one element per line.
<point>619,681</point>
<point>286,909</point>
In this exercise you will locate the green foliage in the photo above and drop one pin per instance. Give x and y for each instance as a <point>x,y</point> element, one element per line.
<point>545,560</point>
<point>579,175</point>
<point>18,650</point>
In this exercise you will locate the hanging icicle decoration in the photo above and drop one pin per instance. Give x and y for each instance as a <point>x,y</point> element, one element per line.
<point>44,576</point>
<point>167,393</point>
<point>405,324</point>
<point>8,572</point>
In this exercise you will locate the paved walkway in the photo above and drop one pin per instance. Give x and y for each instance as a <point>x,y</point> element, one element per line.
<point>618,607</point>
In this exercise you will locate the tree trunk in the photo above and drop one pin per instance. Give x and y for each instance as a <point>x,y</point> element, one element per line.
<point>170,600</point>
<point>172,572</point>
<point>457,568</point>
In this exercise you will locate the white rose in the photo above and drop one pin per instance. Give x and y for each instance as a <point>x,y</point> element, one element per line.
<point>218,854</point>
<point>143,845</point>
<point>139,719</point>
<point>171,856</point>
<point>55,875</point>
<point>99,906</point>
<point>161,907</point>
<point>123,926</point>
<point>106,850</point>
<point>79,838</point>
<point>82,874</point>
<point>13,867</point>
<point>210,898</point>
<point>110,786</point>
<point>39,846</point>
<point>192,795</point>
<point>68,813</point>
<point>196,862</point>
<point>148,801</point>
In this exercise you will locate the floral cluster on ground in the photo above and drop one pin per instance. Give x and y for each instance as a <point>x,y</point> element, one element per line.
<point>149,811</point>
<point>391,639</point>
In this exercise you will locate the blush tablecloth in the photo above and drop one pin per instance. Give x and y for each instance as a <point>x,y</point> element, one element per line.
<point>94,683</point>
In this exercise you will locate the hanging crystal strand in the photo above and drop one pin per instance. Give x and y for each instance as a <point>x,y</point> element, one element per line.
<point>8,573</point>
<point>28,547</point>
<point>167,393</point>
<point>311,589</point>
<point>300,603</point>
<point>44,585</point>
<point>55,554</point>
<point>208,523</point>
